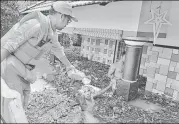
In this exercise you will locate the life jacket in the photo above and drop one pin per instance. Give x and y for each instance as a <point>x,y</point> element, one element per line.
<point>29,50</point>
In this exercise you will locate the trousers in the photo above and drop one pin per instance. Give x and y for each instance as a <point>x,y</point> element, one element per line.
<point>11,75</point>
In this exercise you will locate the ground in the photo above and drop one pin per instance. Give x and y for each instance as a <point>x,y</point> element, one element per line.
<point>60,105</point>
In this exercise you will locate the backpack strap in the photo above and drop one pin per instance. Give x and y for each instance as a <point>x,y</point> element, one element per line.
<point>44,23</point>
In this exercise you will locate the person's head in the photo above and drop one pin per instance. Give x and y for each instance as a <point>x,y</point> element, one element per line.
<point>61,14</point>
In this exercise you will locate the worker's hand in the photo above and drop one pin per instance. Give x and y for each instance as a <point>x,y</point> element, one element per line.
<point>75,74</point>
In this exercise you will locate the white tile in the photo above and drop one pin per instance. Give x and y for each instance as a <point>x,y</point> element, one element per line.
<point>168,85</point>
<point>169,80</point>
<point>155,81</point>
<point>177,65</point>
<point>149,86</point>
<point>161,86</point>
<point>149,52</point>
<point>144,56</point>
<point>171,68</point>
<point>175,51</point>
<point>161,78</point>
<point>159,49</point>
<point>150,79</point>
<point>175,85</point>
<point>177,78</point>
<point>163,61</point>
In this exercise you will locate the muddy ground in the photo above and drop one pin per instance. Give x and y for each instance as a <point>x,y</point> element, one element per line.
<point>60,105</point>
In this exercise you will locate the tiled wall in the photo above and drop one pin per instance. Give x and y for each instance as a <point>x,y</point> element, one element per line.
<point>161,67</point>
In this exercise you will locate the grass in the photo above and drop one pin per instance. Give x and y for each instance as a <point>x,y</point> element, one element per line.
<point>104,106</point>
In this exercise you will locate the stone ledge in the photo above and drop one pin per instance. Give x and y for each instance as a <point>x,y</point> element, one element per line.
<point>134,43</point>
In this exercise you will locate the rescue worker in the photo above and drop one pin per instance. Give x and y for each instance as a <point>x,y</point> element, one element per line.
<point>26,41</point>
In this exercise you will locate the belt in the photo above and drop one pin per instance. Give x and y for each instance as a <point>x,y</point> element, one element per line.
<point>26,65</point>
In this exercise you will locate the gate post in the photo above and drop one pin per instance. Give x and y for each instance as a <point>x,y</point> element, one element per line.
<point>128,86</point>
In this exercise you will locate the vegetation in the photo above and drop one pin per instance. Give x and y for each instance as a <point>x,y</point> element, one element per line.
<point>9,15</point>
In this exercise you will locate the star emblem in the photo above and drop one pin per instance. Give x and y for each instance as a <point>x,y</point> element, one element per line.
<point>157,21</point>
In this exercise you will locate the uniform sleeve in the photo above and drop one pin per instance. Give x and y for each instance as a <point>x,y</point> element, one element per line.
<point>19,35</point>
<point>56,47</point>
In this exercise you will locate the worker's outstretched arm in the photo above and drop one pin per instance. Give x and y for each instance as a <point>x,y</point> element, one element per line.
<point>59,53</point>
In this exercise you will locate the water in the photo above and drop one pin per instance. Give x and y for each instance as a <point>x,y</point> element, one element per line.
<point>89,118</point>
<point>148,106</point>
<point>39,85</point>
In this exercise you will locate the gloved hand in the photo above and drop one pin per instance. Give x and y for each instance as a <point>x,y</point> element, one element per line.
<point>75,74</point>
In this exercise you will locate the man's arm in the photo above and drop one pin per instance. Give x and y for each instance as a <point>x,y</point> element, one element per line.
<point>59,52</point>
<point>17,37</point>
